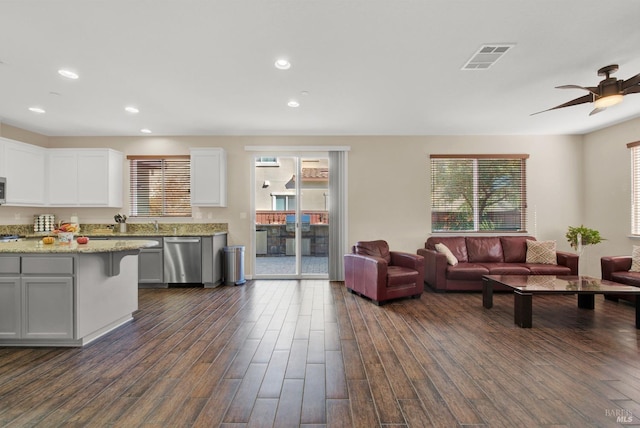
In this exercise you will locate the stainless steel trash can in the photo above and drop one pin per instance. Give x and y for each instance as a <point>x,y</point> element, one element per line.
<point>234,265</point>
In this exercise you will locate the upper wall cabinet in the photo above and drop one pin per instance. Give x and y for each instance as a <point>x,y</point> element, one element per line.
<point>208,177</point>
<point>85,177</point>
<point>24,166</point>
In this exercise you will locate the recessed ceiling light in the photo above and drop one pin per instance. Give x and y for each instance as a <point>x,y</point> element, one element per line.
<point>145,131</point>
<point>37,110</point>
<point>68,74</point>
<point>132,109</point>
<point>293,103</point>
<point>283,64</point>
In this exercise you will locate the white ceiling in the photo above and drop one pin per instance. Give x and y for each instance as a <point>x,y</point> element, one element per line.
<point>370,67</point>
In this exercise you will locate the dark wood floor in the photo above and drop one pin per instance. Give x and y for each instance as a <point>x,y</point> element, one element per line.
<point>307,353</point>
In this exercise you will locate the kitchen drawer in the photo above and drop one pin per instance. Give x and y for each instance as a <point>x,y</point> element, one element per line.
<point>47,265</point>
<point>10,264</point>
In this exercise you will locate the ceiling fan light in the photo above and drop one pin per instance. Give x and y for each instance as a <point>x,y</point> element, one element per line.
<point>608,101</point>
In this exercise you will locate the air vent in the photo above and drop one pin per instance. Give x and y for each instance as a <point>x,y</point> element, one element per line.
<point>486,56</point>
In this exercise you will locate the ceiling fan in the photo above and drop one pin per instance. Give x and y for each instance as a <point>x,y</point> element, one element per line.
<point>609,91</point>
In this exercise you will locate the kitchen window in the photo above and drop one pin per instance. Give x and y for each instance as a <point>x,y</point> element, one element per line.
<point>478,193</point>
<point>159,186</point>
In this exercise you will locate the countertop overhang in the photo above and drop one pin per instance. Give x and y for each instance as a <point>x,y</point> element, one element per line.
<point>97,246</point>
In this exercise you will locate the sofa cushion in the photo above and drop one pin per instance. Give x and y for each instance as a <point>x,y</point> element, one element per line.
<point>547,269</point>
<point>514,248</point>
<point>466,271</point>
<point>398,275</point>
<point>443,249</point>
<point>373,248</point>
<point>543,252</point>
<point>456,244</point>
<point>506,269</point>
<point>627,278</point>
<point>484,249</point>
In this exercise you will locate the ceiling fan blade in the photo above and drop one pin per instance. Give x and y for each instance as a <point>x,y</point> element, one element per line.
<point>583,99</point>
<point>591,89</point>
<point>632,90</point>
<point>633,81</point>
<point>597,110</point>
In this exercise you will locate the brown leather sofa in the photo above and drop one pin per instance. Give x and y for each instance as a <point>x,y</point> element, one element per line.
<point>616,269</point>
<point>485,255</point>
<point>373,271</point>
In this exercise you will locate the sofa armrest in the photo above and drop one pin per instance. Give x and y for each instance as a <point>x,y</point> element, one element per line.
<point>569,260</point>
<point>363,273</point>
<point>610,264</point>
<point>408,260</point>
<point>435,268</point>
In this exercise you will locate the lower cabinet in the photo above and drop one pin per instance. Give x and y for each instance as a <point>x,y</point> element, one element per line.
<point>212,247</point>
<point>47,308</point>
<point>10,308</point>
<point>150,266</point>
<point>36,308</point>
<point>150,261</point>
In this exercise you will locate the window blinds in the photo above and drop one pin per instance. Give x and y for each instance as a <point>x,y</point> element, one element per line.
<point>160,186</point>
<point>635,187</point>
<point>478,193</point>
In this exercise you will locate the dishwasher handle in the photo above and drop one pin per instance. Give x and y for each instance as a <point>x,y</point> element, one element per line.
<point>182,240</point>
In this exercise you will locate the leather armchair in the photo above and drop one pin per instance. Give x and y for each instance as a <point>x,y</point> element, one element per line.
<point>616,269</point>
<point>371,270</point>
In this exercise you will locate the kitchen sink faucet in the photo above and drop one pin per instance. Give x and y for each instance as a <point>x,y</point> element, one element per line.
<point>155,224</point>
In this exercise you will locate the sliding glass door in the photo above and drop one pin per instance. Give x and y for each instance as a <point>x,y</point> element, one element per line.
<point>291,216</point>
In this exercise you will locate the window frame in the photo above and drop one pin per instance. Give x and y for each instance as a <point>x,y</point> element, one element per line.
<point>135,206</point>
<point>635,187</point>
<point>289,199</point>
<point>477,223</point>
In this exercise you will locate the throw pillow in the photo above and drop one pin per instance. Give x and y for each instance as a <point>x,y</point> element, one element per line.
<point>543,252</point>
<point>635,259</point>
<point>443,249</point>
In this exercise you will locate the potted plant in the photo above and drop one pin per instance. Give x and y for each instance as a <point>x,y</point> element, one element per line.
<point>580,236</point>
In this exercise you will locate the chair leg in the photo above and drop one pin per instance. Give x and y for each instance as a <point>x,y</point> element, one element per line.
<point>416,296</point>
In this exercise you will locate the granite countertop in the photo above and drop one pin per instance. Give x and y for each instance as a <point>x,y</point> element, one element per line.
<point>101,246</point>
<point>133,230</point>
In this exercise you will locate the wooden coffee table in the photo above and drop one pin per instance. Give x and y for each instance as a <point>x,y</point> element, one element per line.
<point>525,286</point>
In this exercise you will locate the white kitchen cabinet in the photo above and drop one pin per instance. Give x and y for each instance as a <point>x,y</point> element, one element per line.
<point>85,177</point>
<point>25,170</point>
<point>3,158</point>
<point>208,177</point>
<point>63,177</point>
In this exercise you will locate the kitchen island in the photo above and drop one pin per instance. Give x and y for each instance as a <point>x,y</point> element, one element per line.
<point>66,294</point>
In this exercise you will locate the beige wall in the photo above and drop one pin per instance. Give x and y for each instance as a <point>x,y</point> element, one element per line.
<point>388,181</point>
<point>607,181</point>
<point>13,133</point>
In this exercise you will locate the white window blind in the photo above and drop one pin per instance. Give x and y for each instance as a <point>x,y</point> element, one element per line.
<point>160,186</point>
<point>635,187</point>
<point>478,193</point>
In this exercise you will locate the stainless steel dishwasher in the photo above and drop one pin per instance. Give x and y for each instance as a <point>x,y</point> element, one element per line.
<point>182,260</point>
